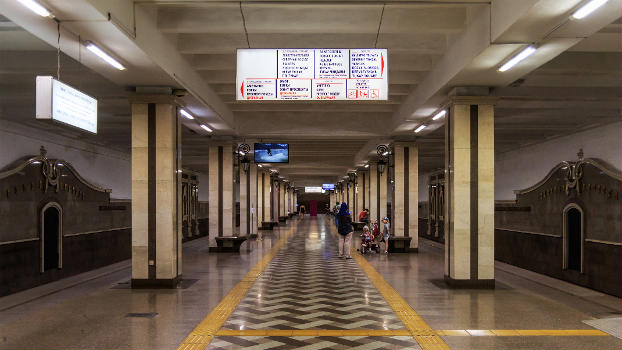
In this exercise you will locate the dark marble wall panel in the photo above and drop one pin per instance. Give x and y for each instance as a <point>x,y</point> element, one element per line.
<point>20,262</point>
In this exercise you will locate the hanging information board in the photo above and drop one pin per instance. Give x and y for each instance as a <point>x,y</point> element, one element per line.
<point>61,103</point>
<point>312,74</point>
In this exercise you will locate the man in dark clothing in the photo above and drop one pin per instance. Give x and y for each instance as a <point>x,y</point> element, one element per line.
<point>344,228</point>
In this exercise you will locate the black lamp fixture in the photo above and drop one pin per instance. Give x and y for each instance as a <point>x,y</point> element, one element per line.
<point>243,150</point>
<point>383,155</point>
<point>352,177</point>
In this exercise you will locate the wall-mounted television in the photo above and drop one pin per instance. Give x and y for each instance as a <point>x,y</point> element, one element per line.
<point>328,187</point>
<point>271,153</point>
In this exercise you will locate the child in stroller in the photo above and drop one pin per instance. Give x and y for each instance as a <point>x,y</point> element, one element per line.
<point>368,241</point>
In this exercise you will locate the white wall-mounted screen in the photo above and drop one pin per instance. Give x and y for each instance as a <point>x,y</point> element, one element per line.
<point>313,189</point>
<point>60,102</point>
<point>312,74</point>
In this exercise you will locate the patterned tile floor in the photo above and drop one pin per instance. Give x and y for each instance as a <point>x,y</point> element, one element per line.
<point>307,286</point>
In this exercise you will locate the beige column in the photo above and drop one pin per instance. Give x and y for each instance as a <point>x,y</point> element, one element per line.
<point>383,192</point>
<point>374,213</point>
<point>406,204</point>
<point>156,191</point>
<point>358,193</point>
<point>282,195</point>
<point>469,195</point>
<point>364,196</point>
<point>254,207</point>
<point>351,199</point>
<point>220,191</point>
<point>246,199</point>
<point>331,199</point>
<point>263,196</point>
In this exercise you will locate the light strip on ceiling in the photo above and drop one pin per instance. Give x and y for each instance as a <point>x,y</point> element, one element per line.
<point>36,7</point>
<point>588,8</point>
<point>186,114</point>
<point>439,115</point>
<point>420,127</point>
<point>516,59</point>
<point>206,128</point>
<point>104,56</point>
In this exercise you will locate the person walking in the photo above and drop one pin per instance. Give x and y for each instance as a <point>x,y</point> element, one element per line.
<point>386,233</point>
<point>345,230</point>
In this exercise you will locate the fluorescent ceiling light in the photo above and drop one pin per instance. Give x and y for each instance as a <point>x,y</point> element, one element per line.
<point>588,8</point>
<point>36,7</point>
<point>104,56</point>
<point>186,114</point>
<point>420,127</point>
<point>521,56</point>
<point>439,115</point>
<point>366,165</point>
<point>206,128</point>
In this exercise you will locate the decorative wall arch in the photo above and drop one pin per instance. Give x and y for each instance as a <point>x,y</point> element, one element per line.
<point>58,207</point>
<point>567,208</point>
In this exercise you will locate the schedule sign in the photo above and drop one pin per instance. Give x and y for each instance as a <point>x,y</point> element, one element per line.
<point>312,74</point>
<point>60,102</point>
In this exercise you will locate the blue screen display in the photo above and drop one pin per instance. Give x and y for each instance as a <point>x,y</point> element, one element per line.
<point>328,187</point>
<point>271,153</point>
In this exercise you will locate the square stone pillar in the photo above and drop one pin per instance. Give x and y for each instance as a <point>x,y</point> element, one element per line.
<point>406,197</point>
<point>248,199</point>
<point>374,199</point>
<point>364,189</point>
<point>358,196</point>
<point>220,191</point>
<point>351,205</point>
<point>156,191</point>
<point>282,196</point>
<point>469,195</point>
<point>382,191</point>
<point>263,196</point>
<point>331,199</point>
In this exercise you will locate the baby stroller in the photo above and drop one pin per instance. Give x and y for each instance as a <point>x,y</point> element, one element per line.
<point>369,240</point>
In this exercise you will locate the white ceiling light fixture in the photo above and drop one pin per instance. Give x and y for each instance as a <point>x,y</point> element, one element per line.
<point>36,8</point>
<point>103,55</point>
<point>206,128</point>
<point>186,114</point>
<point>420,127</point>
<point>439,115</point>
<point>366,166</point>
<point>588,8</point>
<point>526,52</point>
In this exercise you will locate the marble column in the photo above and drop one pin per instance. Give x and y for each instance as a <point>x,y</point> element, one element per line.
<point>469,195</point>
<point>156,191</point>
<point>220,191</point>
<point>382,191</point>
<point>406,197</point>
<point>248,198</point>
<point>282,195</point>
<point>358,193</point>
<point>254,206</point>
<point>331,199</point>
<point>351,200</point>
<point>374,201</point>
<point>263,197</point>
<point>364,196</point>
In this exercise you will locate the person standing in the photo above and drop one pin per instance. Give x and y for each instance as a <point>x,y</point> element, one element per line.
<point>302,210</point>
<point>386,233</point>
<point>345,230</point>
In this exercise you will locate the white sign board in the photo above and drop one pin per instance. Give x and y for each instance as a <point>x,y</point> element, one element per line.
<point>314,190</point>
<point>60,102</point>
<point>312,74</point>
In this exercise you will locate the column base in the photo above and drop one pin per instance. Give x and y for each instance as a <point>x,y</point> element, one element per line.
<point>470,284</point>
<point>157,283</point>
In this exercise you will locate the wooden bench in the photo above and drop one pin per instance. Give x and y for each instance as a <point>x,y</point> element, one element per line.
<point>400,245</point>
<point>268,225</point>
<point>229,244</point>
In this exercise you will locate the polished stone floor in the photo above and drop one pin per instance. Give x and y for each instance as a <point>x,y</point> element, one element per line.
<point>304,288</point>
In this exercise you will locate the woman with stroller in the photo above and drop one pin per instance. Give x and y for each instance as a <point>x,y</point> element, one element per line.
<point>345,229</point>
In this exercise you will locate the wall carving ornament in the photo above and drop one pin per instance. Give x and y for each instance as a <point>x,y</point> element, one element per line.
<point>574,177</point>
<point>49,170</point>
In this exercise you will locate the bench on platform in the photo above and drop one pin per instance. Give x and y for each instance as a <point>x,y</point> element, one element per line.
<point>268,225</point>
<point>229,244</point>
<point>400,245</point>
<point>283,218</point>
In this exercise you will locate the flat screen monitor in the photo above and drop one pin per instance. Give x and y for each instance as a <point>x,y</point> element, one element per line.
<point>314,189</point>
<point>328,187</point>
<point>271,153</point>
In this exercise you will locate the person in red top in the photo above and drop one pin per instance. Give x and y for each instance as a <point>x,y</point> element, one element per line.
<point>363,216</point>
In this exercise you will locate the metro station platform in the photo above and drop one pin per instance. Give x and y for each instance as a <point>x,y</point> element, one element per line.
<point>289,290</point>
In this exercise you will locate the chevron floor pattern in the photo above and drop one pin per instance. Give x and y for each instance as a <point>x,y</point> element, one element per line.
<point>307,286</point>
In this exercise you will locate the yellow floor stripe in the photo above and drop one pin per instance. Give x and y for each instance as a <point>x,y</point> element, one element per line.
<point>418,328</point>
<point>406,332</point>
<point>203,334</point>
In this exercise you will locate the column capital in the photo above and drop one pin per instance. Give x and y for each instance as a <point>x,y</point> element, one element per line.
<point>473,100</point>
<point>156,98</point>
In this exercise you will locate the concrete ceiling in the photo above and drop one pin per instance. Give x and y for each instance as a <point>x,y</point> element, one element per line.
<point>572,84</point>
